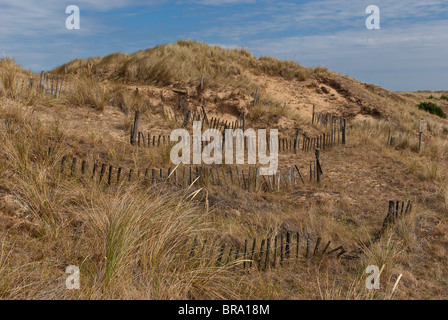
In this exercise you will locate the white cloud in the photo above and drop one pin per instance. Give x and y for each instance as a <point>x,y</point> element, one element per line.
<point>413,33</point>
<point>371,55</point>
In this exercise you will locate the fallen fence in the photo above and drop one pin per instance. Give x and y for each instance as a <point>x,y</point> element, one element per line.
<point>270,253</point>
<point>247,179</point>
<point>397,210</point>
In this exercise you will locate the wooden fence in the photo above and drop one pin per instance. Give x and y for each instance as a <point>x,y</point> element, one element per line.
<point>334,136</point>
<point>49,85</point>
<point>327,119</point>
<point>324,141</point>
<point>270,253</point>
<point>247,179</point>
<point>337,124</point>
<point>397,209</point>
<point>214,122</point>
<point>316,171</point>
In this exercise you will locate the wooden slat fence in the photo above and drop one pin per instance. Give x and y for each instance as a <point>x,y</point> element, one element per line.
<point>247,178</point>
<point>48,85</point>
<point>397,210</point>
<point>265,254</point>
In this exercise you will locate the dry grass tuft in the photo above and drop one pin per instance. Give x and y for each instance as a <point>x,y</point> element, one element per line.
<point>88,92</point>
<point>184,62</point>
<point>127,100</point>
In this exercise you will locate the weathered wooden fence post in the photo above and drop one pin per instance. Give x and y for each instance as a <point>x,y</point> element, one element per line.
<point>420,141</point>
<point>314,111</point>
<point>205,115</point>
<point>244,122</point>
<point>73,167</point>
<point>42,81</point>
<point>268,249</point>
<point>187,119</point>
<point>296,145</point>
<point>134,131</point>
<point>390,214</point>
<point>319,167</point>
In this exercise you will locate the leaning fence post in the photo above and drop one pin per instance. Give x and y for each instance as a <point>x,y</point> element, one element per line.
<point>314,110</point>
<point>308,246</point>
<point>319,167</point>
<point>256,97</point>
<point>420,129</point>
<point>296,145</point>
<point>268,248</point>
<point>221,253</point>
<point>103,170</point>
<point>253,253</point>
<point>326,247</point>
<point>392,206</point>
<point>260,258</point>
<point>94,170</point>
<point>42,79</point>
<point>73,167</point>
<point>64,158</point>
<point>187,119</point>
<point>300,174</point>
<point>229,257</point>
<point>109,178</point>
<point>83,166</point>
<point>135,128</point>
<point>390,215</point>
<point>316,248</point>
<point>245,254</point>
<point>244,122</point>
<point>205,115</point>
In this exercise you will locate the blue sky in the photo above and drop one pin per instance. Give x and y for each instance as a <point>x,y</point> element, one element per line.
<point>408,53</point>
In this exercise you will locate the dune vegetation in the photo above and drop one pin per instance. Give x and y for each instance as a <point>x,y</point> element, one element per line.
<point>134,239</point>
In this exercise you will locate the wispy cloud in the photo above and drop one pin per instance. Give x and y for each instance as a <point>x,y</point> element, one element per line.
<point>332,32</point>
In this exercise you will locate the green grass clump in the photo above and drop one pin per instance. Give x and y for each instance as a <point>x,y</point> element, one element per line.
<point>432,108</point>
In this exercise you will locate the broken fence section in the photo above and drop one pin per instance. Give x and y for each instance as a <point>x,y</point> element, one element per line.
<point>270,253</point>
<point>247,178</point>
